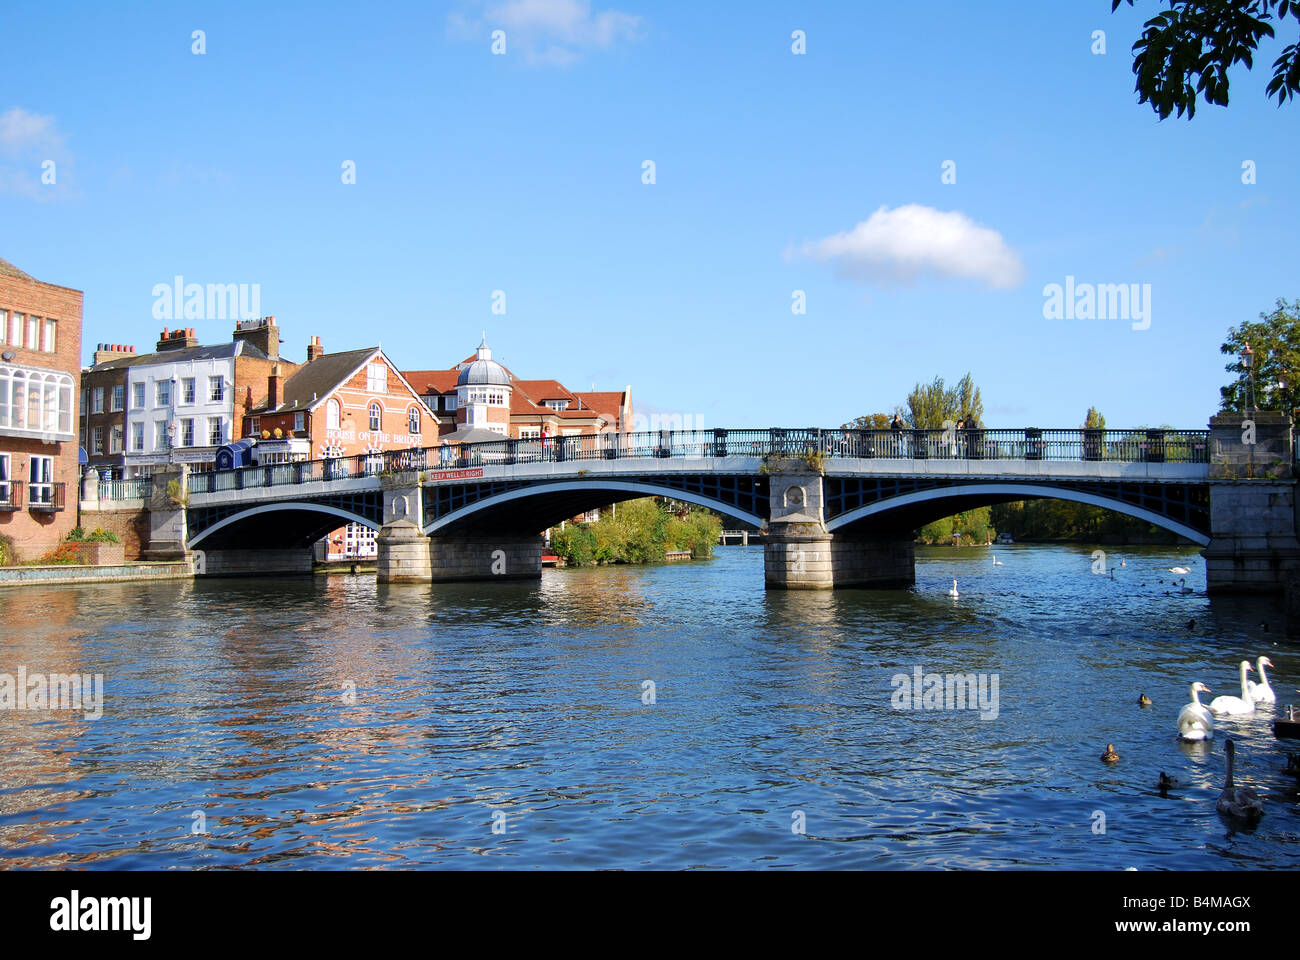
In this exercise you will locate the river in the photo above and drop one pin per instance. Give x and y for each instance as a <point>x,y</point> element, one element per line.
<point>511,725</point>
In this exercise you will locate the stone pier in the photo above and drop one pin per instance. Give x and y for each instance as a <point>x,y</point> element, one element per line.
<point>455,558</point>
<point>799,553</point>
<point>253,563</point>
<point>166,506</point>
<point>1253,544</point>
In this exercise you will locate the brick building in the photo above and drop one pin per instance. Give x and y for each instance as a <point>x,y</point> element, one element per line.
<point>40,370</point>
<point>480,399</point>
<point>178,404</point>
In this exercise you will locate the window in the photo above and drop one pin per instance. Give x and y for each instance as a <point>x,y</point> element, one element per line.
<point>332,415</point>
<point>163,394</point>
<point>97,400</point>
<point>187,390</point>
<point>17,330</point>
<point>376,416</point>
<point>137,396</point>
<point>216,389</point>
<point>48,344</point>
<point>97,441</point>
<point>36,401</point>
<point>160,435</point>
<point>255,426</point>
<point>115,440</point>
<point>137,437</point>
<point>215,432</point>
<point>119,397</point>
<point>530,433</point>
<point>187,433</point>
<point>377,378</point>
<point>4,327</point>
<point>413,420</point>
<point>41,487</point>
<point>33,332</point>
<point>4,478</point>
<point>299,421</point>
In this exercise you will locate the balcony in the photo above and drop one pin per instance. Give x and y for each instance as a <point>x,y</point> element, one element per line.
<point>44,497</point>
<point>11,496</point>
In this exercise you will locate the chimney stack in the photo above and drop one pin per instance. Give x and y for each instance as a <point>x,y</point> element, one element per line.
<point>110,351</point>
<point>261,333</point>
<point>273,388</point>
<point>177,339</point>
<point>314,349</point>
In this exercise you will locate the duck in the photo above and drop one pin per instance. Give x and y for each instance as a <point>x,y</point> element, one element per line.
<point>1191,624</point>
<point>953,592</point>
<point>1110,756</point>
<point>1261,692</point>
<point>1236,706</point>
<point>1144,701</point>
<point>1166,783</point>
<point>1241,803</point>
<point>1194,721</point>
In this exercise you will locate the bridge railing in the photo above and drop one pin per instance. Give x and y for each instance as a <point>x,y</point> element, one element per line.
<point>1029,443</point>
<point>132,489</point>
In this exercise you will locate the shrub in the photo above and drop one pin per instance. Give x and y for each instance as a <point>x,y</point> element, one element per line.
<point>75,535</point>
<point>100,535</point>
<point>8,555</point>
<point>65,554</point>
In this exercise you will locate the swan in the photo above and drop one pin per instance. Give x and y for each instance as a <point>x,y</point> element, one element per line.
<point>1180,569</point>
<point>953,592</point>
<point>1110,756</point>
<point>1183,587</point>
<point>996,561</point>
<point>1236,705</point>
<point>1240,802</point>
<point>1261,692</point>
<point>1194,721</point>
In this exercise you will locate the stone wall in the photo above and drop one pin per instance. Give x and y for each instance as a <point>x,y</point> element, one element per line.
<point>130,523</point>
<point>484,558</point>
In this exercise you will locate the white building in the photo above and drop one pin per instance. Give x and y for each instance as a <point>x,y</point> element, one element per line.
<point>180,407</point>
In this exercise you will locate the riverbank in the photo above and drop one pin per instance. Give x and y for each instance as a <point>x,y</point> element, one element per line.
<point>23,576</point>
<point>638,532</point>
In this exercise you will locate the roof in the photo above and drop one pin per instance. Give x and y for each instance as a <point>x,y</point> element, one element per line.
<point>313,381</point>
<point>541,390</point>
<point>220,351</point>
<point>431,381</point>
<point>608,402</point>
<point>472,435</point>
<point>7,269</point>
<point>484,373</point>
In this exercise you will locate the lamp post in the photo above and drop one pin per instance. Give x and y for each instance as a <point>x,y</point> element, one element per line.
<point>1248,361</point>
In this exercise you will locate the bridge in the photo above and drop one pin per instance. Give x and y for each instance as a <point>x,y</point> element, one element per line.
<point>837,508</point>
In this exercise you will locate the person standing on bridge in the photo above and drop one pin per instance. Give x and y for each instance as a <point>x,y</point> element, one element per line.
<point>896,425</point>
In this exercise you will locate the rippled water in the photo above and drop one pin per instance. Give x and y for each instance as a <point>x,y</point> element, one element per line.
<point>228,698</point>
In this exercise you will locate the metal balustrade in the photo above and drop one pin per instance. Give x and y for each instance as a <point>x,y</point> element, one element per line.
<point>1029,443</point>
<point>45,497</point>
<point>133,489</point>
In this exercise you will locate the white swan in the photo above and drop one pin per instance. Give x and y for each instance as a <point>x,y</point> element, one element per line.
<point>996,561</point>
<point>1194,721</point>
<point>1180,570</point>
<point>1261,692</point>
<point>1236,705</point>
<point>953,592</point>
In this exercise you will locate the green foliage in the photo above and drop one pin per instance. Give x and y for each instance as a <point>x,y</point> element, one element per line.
<point>1094,420</point>
<point>100,535</point>
<point>1067,520</point>
<point>75,535</point>
<point>1199,40</point>
<point>175,494</point>
<point>1275,338</point>
<point>8,554</point>
<point>638,531</point>
<point>871,421</point>
<point>973,526</point>
<point>65,554</point>
<point>930,404</point>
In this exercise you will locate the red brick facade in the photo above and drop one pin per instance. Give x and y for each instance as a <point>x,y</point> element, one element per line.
<point>35,423</point>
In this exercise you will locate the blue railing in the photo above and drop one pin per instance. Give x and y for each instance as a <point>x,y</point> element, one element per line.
<point>1029,443</point>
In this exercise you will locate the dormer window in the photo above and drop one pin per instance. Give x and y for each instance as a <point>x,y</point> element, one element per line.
<point>558,404</point>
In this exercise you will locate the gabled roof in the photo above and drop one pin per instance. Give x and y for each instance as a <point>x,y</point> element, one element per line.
<point>541,390</point>
<point>425,382</point>
<point>219,351</point>
<point>606,402</point>
<point>309,385</point>
<point>7,269</point>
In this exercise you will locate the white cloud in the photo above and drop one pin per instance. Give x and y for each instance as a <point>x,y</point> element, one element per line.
<point>898,246</point>
<point>27,141</point>
<point>551,32</point>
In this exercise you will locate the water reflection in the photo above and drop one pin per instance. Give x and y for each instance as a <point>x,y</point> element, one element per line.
<point>338,722</point>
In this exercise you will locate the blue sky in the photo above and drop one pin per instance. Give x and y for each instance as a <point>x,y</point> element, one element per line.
<point>522,172</point>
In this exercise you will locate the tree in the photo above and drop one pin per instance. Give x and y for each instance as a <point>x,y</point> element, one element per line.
<point>1275,340</point>
<point>930,404</point>
<point>872,421</point>
<point>1199,40</point>
<point>1094,420</point>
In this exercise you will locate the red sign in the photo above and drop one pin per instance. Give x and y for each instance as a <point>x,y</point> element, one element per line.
<point>456,474</point>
